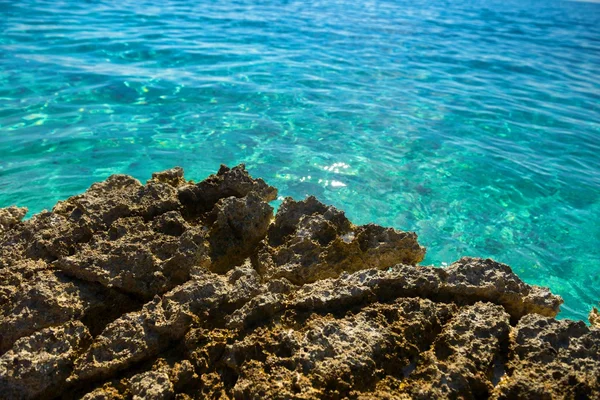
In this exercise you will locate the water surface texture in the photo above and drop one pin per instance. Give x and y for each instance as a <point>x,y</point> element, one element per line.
<point>474,123</point>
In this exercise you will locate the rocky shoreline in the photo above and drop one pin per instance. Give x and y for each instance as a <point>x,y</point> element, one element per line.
<point>180,290</point>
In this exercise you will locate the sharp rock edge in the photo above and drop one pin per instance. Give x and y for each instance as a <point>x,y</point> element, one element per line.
<point>174,289</point>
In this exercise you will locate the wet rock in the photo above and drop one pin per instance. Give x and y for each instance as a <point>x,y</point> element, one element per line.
<point>38,365</point>
<point>176,290</point>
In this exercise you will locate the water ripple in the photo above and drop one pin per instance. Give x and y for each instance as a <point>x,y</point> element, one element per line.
<point>475,123</point>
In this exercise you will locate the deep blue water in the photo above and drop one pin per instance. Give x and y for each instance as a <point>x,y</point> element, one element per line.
<point>474,123</point>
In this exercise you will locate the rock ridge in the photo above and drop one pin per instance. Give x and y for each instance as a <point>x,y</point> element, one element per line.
<point>180,290</point>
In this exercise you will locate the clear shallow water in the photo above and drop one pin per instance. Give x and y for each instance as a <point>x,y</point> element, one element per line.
<point>474,123</point>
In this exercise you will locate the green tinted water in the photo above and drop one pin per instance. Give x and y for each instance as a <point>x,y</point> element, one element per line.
<point>474,123</point>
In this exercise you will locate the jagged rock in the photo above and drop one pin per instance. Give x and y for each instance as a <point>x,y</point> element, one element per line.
<point>173,177</point>
<point>46,236</point>
<point>161,382</point>
<point>325,356</point>
<point>117,197</point>
<point>239,225</point>
<point>594,317</point>
<point>552,359</point>
<point>143,334</point>
<point>492,281</point>
<point>49,299</point>
<point>310,241</point>
<point>38,365</point>
<point>107,392</point>
<point>234,182</point>
<point>139,257</point>
<point>179,290</point>
<point>149,258</point>
<point>332,221</point>
<point>262,306</point>
<point>11,216</point>
<point>151,385</point>
<point>465,358</point>
<point>456,283</point>
<point>19,273</point>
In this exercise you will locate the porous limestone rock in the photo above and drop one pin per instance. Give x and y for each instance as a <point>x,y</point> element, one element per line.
<point>173,177</point>
<point>466,358</point>
<point>38,365</point>
<point>228,182</point>
<point>49,299</point>
<point>11,216</point>
<point>343,356</point>
<point>143,258</point>
<point>495,282</point>
<point>551,359</point>
<point>143,334</point>
<point>309,241</point>
<point>594,317</point>
<point>182,290</point>
<point>238,225</point>
<point>46,236</point>
<point>151,385</point>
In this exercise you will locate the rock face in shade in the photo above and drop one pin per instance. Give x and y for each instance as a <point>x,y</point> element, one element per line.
<point>176,290</point>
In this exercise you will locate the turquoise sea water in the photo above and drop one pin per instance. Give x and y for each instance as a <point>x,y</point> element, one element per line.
<point>474,123</point>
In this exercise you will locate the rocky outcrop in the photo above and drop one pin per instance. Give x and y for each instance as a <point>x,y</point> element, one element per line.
<point>172,289</point>
<point>11,216</point>
<point>594,317</point>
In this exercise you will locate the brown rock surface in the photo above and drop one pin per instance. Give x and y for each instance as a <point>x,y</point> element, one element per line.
<point>11,216</point>
<point>38,365</point>
<point>594,317</point>
<point>176,290</point>
<point>309,241</point>
<point>551,359</point>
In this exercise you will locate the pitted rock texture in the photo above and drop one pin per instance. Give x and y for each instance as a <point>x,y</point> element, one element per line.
<point>310,241</point>
<point>594,317</point>
<point>177,290</point>
<point>11,216</point>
